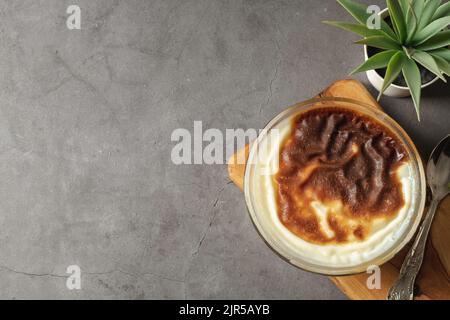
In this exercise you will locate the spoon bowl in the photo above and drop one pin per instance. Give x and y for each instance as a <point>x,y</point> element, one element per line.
<point>438,170</point>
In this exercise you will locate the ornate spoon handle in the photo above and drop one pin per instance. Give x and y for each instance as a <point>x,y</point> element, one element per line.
<point>403,289</point>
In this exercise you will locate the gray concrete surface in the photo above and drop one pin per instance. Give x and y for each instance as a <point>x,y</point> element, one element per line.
<point>85,124</point>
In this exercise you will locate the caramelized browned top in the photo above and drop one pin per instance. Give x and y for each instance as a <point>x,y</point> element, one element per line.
<point>347,162</point>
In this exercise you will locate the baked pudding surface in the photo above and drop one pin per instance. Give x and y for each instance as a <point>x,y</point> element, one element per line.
<point>338,176</point>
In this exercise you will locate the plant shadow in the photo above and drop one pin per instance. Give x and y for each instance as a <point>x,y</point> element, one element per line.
<point>438,90</point>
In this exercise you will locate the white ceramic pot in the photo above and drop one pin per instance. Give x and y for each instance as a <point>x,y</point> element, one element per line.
<point>377,81</point>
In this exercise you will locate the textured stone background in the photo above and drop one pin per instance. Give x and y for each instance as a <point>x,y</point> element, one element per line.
<point>85,124</point>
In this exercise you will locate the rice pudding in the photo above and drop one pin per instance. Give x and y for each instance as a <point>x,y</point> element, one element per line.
<point>342,190</point>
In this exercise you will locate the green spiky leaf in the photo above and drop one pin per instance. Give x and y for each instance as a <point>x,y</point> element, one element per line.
<point>440,40</point>
<point>393,70</point>
<point>418,7</point>
<point>428,12</point>
<point>411,22</point>
<point>360,29</point>
<point>443,53</point>
<point>431,29</point>
<point>357,10</point>
<point>377,61</point>
<point>404,4</point>
<point>411,73</point>
<point>380,42</point>
<point>443,64</point>
<point>398,20</point>
<point>442,11</point>
<point>428,62</point>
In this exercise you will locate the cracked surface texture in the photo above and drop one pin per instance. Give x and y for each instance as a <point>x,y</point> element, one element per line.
<point>85,123</point>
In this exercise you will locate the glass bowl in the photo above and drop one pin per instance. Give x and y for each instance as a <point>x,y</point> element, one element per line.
<point>272,234</point>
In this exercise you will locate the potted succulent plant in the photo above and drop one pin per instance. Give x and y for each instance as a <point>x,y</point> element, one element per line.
<point>409,50</point>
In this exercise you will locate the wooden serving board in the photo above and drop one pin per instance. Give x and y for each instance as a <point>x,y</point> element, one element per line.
<point>433,281</point>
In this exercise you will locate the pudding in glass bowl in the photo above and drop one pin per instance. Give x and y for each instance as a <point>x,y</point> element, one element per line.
<point>334,186</point>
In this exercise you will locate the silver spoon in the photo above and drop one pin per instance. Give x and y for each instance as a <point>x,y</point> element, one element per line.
<point>438,176</point>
